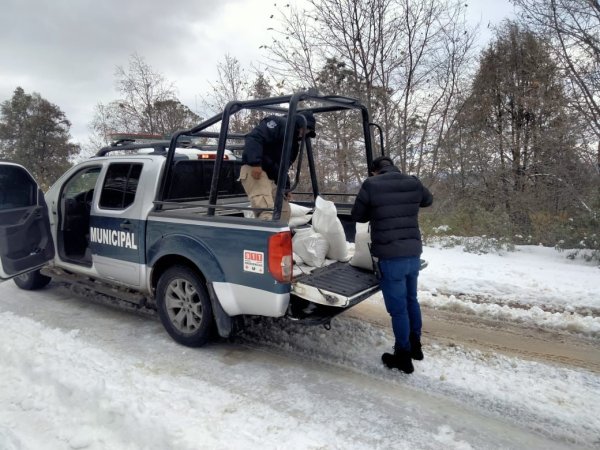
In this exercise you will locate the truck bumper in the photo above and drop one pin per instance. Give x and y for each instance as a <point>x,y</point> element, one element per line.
<point>237,299</point>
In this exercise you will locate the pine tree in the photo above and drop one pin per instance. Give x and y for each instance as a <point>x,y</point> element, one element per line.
<point>35,134</point>
<point>518,124</point>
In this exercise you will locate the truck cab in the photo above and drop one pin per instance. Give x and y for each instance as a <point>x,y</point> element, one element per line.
<point>162,229</point>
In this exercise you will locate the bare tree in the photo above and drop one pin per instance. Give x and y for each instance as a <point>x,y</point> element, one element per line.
<point>360,34</point>
<point>417,20</point>
<point>342,165</point>
<point>104,123</point>
<point>433,86</point>
<point>232,84</point>
<point>147,104</point>
<point>171,115</point>
<point>292,56</point>
<point>407,56</point>
<point>141,88</point>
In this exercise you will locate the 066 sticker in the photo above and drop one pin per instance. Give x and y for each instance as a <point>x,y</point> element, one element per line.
<point>254,261</point>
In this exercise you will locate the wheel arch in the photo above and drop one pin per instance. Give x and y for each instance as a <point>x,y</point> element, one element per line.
<point>186,251</point>
<point>168,261</point>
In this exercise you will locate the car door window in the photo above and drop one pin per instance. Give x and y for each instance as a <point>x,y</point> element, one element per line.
<point>120,185</point>
<point>81,186</point>
<point>19,190</point>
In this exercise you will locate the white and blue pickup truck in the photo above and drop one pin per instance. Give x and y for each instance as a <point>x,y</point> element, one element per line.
<point>169,231</point>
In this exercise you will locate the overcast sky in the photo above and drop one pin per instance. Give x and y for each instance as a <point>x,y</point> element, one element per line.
<point>67,50</point>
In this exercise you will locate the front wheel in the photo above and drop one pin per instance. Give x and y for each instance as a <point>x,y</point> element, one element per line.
<point>32,281</point>
<point>184,306</point>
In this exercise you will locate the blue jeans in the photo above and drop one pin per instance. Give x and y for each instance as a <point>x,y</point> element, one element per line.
<point>399,286</point>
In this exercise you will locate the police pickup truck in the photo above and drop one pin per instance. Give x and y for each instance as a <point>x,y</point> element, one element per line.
<point>149,226</point>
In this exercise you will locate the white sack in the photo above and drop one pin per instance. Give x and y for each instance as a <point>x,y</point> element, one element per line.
<point>362,254</point>
<point>299,215</point>
<point>298,210</point>
<point>297,258</point>
<point>248,213</point>
<point>311,247</point>
<point>326,222</point>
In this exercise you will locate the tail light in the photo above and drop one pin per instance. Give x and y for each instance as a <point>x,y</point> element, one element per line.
<point>280,256</point>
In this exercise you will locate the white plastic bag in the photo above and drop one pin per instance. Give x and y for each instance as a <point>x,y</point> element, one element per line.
<point>249,214</point>
<point>299,215</point>
<point>311,247</point>
<point>362,253</point>
<point>326,222</point>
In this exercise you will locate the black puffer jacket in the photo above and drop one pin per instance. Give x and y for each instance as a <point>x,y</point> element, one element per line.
<point>263,145</point>
<point>391,202</point>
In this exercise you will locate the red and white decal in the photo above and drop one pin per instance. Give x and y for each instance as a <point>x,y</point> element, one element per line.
<point>254,261</point>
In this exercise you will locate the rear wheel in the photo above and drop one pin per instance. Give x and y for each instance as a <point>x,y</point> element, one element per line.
<point>184,306</point>
<point>32,281</point>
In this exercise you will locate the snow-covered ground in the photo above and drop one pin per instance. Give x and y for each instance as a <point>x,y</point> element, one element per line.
<point>75,374</point>
<point>533,285</point>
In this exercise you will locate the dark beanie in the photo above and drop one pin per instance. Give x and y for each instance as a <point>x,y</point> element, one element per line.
<point>311,123</point>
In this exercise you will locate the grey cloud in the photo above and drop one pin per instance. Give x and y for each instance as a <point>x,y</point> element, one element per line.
<point>68,50</point>
<point>50,37</point>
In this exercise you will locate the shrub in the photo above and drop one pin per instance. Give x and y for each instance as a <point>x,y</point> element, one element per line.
<point>582,238</point>
<point>467,221</point>
<point>484,231</point>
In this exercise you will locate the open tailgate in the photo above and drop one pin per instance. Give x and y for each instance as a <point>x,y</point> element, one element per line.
<point>339,284</point>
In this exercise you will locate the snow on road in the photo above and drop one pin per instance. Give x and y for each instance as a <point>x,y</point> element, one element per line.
<point>80,375</point>
<point>559,402</point>
<point>76,374</point>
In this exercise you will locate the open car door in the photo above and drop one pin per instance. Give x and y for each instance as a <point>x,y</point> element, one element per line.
<point>25,239</point>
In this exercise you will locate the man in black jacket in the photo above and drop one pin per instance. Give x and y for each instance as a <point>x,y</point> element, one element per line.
<point>262,158</point>
<point>390,201</point>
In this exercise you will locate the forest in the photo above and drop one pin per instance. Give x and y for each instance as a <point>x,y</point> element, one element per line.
<point>507,137</point>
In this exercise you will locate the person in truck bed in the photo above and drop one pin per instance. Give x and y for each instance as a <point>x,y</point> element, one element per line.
<point>262,156</point>
<point>390,201</point>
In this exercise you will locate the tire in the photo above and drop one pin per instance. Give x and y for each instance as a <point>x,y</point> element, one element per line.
<point>32,281</point>
<point>184,306</point>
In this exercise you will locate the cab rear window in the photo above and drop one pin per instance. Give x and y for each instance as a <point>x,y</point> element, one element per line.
<point>120,185</point>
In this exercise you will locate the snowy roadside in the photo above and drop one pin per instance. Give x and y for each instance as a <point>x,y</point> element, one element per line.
<point>536,286</point>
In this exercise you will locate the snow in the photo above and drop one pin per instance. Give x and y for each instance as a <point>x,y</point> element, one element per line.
<point>531,275</point>
<point>535,285</point>
<point>79,375</point>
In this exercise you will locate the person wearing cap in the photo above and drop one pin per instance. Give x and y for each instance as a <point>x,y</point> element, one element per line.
<point>390,201</point>
<point>262,157</point>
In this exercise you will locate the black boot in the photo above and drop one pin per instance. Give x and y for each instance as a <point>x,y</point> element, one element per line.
<point>399,360</point>
<point>415,347</point>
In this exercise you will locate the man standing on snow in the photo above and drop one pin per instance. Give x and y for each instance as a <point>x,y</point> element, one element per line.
<point>262,157</point>
<point>390,201</point>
